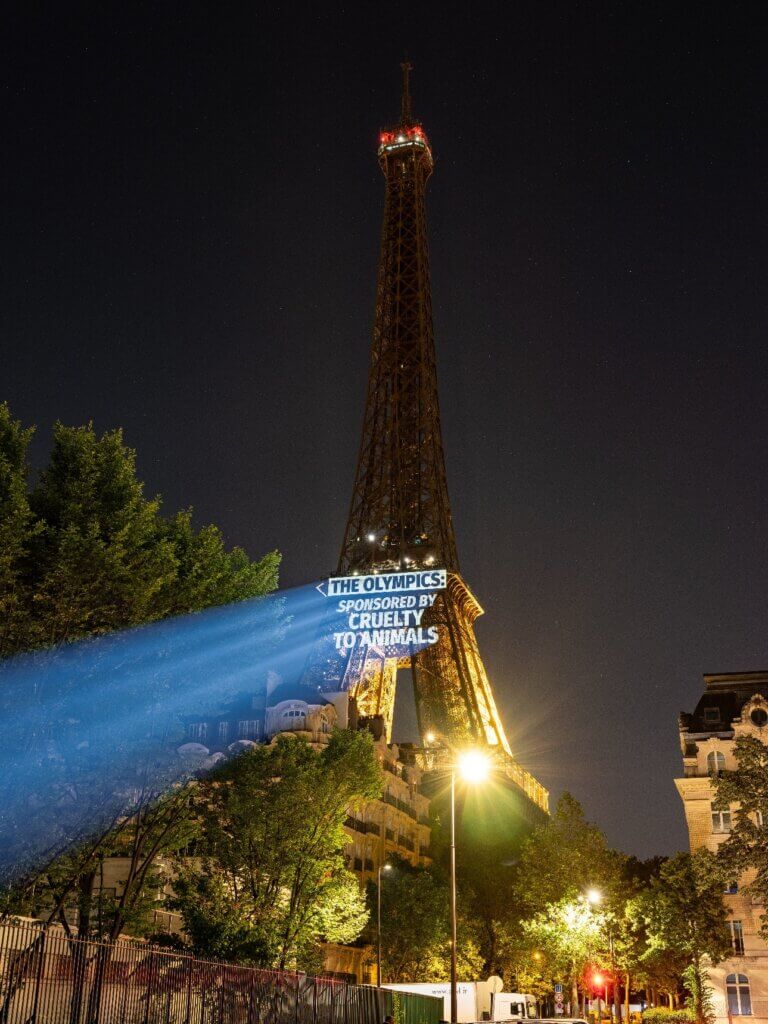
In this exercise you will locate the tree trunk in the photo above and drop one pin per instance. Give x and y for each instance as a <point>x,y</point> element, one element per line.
<point>626,998</point>
<point>103,957</point>
<point>79,951</point>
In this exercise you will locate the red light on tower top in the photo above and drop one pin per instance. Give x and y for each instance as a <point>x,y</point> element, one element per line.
<point>408,135</point>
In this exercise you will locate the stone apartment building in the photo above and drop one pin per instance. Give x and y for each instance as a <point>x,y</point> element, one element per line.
<point>397,823</point>
<point>733,704</point>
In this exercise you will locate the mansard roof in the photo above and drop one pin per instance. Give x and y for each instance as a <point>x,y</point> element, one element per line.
<point>295,691</point>
<point>726,693</point>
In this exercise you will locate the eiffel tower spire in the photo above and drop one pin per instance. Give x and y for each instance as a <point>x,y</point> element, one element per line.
<point>400,515</point>
<point>405,114</point>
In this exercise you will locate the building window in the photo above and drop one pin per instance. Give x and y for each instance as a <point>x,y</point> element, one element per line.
<point>737,937</point>
<point>715,763</point>
<point>198,731</point>
<point>759,717</point>
<point>721,820</point>
<point>248,729</point>
<point>737,993</point>
<point>731,889</point>
<point>295,716</point>
<point>223,731</point>
<point>711,714</point>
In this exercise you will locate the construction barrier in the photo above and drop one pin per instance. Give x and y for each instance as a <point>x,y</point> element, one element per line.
<point>48,978</point>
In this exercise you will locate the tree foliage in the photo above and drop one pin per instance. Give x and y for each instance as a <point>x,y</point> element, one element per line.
<point>746,848</point>
<point>564,858</point>
<point>272,844</point>
<point>157,828</point>
<point>570,934</point>
<point>85,552</point>
<point>18,530</point>
<point>684,914</point>
<point>415,926</point>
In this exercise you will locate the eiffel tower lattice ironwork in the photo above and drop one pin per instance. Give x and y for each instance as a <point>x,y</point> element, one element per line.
<point>400,515</point>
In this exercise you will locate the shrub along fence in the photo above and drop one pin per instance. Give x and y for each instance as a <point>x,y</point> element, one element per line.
<point>47,978</point>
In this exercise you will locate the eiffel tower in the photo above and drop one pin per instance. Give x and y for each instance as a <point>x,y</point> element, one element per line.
<point>400,515</point>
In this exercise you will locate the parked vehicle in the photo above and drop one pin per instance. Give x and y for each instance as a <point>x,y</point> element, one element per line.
<point>475,1001</point>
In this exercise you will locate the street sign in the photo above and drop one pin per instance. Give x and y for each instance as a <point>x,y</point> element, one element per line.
<point>559,1008</point>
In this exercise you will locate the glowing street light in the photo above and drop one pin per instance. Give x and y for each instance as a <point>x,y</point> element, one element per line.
<point>594,896</point>
<point>472,766</point>
<point>382,867</point>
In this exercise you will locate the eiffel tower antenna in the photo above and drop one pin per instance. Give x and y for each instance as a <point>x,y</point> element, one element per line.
<point>405,110</point>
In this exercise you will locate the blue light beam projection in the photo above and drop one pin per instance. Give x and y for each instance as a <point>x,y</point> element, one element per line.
<point>90,728</point>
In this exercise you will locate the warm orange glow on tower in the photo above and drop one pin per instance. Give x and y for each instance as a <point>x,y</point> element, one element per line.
<point>400,515</point>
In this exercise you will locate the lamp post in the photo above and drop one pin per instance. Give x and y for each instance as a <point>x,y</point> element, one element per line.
<point>471,766</point>
<point>382,867</point>
<point>593,898</point>
<point>454,993</point>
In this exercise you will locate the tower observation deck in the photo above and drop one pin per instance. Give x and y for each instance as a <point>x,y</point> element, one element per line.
<point>400,514</point>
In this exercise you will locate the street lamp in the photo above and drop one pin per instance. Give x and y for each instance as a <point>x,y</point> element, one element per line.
<point>472,766</point>
<point>382,867</point>
<point>593,898</point>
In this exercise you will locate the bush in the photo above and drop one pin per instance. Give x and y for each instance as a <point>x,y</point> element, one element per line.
<point>663,1015</point>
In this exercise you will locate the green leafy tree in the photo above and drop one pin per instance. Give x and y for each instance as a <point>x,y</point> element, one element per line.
<point>627,937</point>
<point>414,922</point>
<point>85,552</point>
<point>559,862</point>
<point>102,562</point>
<point>490,904</point>
<point>570,934</point>
<point>683,912</point>
<point>746,848</point>
<point>273,838</point>
<point>18,530</point>
<point>564,858</point>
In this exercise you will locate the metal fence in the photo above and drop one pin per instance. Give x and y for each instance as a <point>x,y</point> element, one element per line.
<point>46,978</point>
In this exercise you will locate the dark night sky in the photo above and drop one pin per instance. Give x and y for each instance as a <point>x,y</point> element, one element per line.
<point>191,211</point>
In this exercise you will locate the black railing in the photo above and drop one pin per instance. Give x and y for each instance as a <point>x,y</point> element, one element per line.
<point>46,978</point>
<point>401,805</point>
